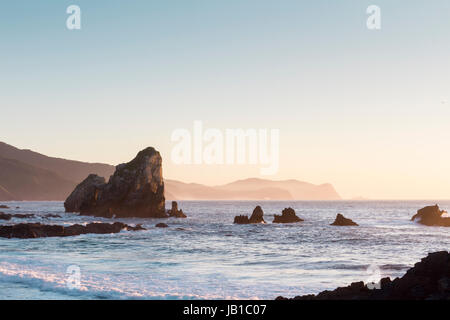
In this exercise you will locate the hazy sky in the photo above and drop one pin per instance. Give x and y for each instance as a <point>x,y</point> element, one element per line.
<point>365,110</point>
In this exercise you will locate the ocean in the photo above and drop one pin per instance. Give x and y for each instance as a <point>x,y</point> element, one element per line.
<point>206,256</point>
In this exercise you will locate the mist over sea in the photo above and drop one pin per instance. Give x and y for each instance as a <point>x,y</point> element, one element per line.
<point>206,256</point>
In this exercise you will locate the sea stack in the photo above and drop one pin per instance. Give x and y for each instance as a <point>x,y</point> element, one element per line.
<point>136,189</point>
<point>431,216</point>
<point>174,212</point>
<point>343,221</point>
<point>287,216</point>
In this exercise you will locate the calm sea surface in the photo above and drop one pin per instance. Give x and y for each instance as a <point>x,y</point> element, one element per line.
<point>207,257</point>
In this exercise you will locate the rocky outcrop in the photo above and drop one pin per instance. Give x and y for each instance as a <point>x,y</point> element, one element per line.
<point>135,190</point>
<point>256,217</point>
<point>431,216</point>
<point>429,279</point>
<point>2,206</point>
<point>343,221</point>
<point>37,230</point>
<point>174,212</point>
<point>85,194</point>
<point>287,216</point>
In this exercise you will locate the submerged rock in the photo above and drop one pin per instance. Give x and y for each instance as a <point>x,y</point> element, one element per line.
<point>256,217</point>
<point>287,216</point>
<point>343,221</point>
<point>37,230</point>
<point>431,216</point>
<point>6,216</point>
<point>135,190</point>
<point>429,279</point>
<point>161,225</point>
<point>174,212</point>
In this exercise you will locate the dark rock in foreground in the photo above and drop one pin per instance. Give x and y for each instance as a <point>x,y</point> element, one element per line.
<point>431,216</point>
<point>287,216</point>
<point>343,221</point>
<point>429,279</point>
<point>174,212</point>
<point>256,217</point>
<point>37,230</point>
<point>135,190</point>
<point>161,225</point>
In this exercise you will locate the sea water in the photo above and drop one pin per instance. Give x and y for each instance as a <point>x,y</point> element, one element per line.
<point>206,256</point>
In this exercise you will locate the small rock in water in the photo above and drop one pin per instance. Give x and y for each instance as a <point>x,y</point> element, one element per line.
<point>161,225</point>
<point>431,216</point>
<point>287,216</point>
<point>174,212</point>
<point>47,216</point>
<point>256,217</point>
<point>5,216</point>
<point>2,206</point>
<point>343,221</point>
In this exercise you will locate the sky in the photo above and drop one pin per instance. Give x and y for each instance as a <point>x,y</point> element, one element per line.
<point>365,110</point>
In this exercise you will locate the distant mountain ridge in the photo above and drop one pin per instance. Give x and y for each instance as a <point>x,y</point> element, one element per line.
<point>251,189</point>
<point>28,175</point>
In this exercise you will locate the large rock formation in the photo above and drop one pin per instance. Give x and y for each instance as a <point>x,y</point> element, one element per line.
<point>256,217</point>
<point>37,230</point>
<point>287,216</point>
<point>343,221</point>
<point>427,280</point>
<point>135,190</point>
<point>431,216</point>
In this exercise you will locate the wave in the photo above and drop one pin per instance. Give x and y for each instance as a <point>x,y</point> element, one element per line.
<point>90,287</point>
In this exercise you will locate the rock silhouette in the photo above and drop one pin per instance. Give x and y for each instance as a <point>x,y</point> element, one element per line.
<point>174,212</point>
<point>429,279</point>
<point>37,230</point>
<point>136,189</point>
<point>287,216</point>
<point>256,217</point>
<point>343,221</point>
<point>431,216</point>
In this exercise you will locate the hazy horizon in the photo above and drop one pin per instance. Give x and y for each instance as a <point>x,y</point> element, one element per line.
<point>365,111</point>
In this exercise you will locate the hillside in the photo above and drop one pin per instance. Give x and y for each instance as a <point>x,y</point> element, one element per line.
<point>19,181</point>
<point>75,171</point>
